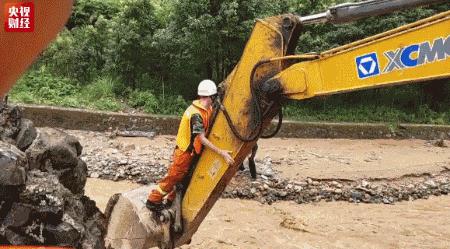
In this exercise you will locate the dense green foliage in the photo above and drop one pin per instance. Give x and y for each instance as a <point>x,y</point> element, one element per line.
<point>396,104</point>
<point>151,54</point>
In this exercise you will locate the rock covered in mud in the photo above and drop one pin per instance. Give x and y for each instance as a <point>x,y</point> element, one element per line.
<point>42,187</point>
<point>12,165</point>
<point>57,152</point>
<point>148,163</point>
<point>10,119</point>
<point>14,129</point>
<point>12,176</point>
<point>269,190</point>
<point>26,135</point>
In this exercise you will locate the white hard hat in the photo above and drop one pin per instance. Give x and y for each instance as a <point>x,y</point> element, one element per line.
<point>207,88</point>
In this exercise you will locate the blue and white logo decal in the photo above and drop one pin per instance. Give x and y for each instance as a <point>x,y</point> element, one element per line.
<point>367,65</point>
<point>411,56</point>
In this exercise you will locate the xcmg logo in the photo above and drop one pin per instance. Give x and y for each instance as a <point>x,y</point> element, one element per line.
<point>407,57</point>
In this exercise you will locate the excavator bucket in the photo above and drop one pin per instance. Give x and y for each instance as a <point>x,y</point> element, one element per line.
<point>131,224</point>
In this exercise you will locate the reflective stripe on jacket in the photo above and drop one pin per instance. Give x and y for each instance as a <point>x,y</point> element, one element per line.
<point>184,136</point>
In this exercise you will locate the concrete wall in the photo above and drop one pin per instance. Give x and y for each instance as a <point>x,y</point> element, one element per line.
<point>79,119</point>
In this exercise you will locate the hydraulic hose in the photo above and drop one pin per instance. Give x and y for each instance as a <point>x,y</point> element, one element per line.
<point>256,101</point>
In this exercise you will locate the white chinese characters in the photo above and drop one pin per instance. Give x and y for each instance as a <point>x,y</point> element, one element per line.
<point>19,17</point>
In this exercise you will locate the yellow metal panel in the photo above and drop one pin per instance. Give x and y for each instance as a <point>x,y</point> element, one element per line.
<point>308,84</point>
<point>341,71</point>
<point>296,81</point>
<point>335,71</point>
<point>211,168</point>
<point>338,72</point>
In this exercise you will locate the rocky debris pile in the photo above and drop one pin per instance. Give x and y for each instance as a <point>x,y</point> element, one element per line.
<point>112,168</point>
<point>439,143</point>
<point>42,181</point>
<point>147,162</point>
<point>268,189</point>
<point>112,159</point>
<point>14,129</point>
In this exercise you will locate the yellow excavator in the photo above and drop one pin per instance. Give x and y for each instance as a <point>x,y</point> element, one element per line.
<point>251,96</point>
<point>267,73</point>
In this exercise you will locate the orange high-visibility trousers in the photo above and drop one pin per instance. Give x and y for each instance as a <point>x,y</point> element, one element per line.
<point>177,171</point>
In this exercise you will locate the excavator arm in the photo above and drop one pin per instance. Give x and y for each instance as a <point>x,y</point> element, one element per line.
<point>252,95</point>
<point>412,53</point>
<point>268,73</point>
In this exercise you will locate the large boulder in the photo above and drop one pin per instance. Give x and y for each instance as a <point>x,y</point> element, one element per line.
<point>47,213</point>
<point>10,120</point>
<point>42,198</point>
<point>13,170</point>
<point>14,129</point>
<point>12,165</point>
<point>27,134</point>
<point>131,225</point>
<point>57,152</point>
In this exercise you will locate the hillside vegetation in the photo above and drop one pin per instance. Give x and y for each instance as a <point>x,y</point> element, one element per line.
<point>151,54</point>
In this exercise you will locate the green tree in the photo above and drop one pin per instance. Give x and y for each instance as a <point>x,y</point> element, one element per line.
<point>205,39</point>
<point>131,54</point>
<point>87,12</point>
<point>78,53</point>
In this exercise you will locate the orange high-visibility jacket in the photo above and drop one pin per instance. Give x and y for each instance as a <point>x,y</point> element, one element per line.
<point>184,136</point>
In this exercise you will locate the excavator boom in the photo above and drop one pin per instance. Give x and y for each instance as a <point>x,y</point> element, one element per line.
<point>252,94</point>
<point>349,12</point>
<point>412,53</point>
<point>267,73</point>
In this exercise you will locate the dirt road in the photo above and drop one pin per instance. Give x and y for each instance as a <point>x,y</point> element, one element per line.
<point>235,223</point>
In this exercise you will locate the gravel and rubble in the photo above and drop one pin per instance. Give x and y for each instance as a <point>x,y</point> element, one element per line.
<point>42,181</point>
<point>388,191</point>
<point>112,160</point>
<point>44,171</point>
<point>145,162</point>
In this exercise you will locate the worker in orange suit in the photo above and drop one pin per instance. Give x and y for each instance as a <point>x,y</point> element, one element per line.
<point>189,143</point>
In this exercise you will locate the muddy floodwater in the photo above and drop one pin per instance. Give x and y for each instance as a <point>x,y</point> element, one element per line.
<point>235,223</point>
